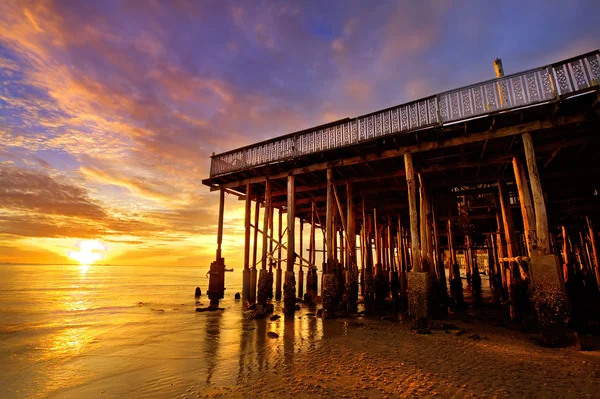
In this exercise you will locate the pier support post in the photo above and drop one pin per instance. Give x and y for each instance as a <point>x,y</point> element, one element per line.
<point>512,278</point>
<point>301,272</point>
<point>329,290</point>
<point>352,267</point>
<point>547,286</point>
<point>368,278</point>
<point>278,270</point>
<point>253,271</point>
<point>246,272</point>
<point>394,267</point>
<point>381,283</point>
<point>311,275</point>
<point>596,259</point>
<point>526,206</point>
<point>475,277</point>
<point>216,282</point>
<point>456,288</point>
<point>418,281</point>
<point>501,273</point>
<point>263,277</point>
<point>402,264</point>
<point>289,285</point>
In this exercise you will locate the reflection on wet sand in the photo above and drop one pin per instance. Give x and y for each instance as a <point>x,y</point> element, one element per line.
<point>259,355</point>
<point>213,333</point>
<point>288,341</point>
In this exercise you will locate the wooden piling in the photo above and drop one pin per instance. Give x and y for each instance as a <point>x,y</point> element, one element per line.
<point>329,292</point>
<point>456,289</point>
<point>418,281</point>
<point>301,271</point>
<point>278,272</point>
<point>541,220</point>
<point>527,213</point>
<point>414,217</point>
<point>566,258</point>
<point>475,277</point>
<point>253,271</point>
<point>369,282</point>
<point>509,235</point>
<point>546,289</point>
<point>402,261</point>
<point>246,272</point>
<point>500,249</point>
<point>289,285</point>
<point>216,282</point>
<point>311,275</point>
<point>595,258</point>
<point>352,267</point>
<point>263,277</point>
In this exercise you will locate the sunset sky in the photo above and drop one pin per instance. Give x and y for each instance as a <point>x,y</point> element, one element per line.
<point>109,110</point>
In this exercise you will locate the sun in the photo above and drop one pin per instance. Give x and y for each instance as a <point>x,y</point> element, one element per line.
<point>89,251</point>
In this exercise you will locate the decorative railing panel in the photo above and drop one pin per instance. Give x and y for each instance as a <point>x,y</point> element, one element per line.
<point>522,89</point>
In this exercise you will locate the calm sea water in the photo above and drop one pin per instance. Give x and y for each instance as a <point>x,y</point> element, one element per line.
<point>111,331</point>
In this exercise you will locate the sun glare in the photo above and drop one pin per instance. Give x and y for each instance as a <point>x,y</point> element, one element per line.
<point>89,251</point>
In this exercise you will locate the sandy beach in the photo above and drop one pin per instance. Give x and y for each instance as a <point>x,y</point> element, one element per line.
<point>384,359</point>
<point>98,333</point>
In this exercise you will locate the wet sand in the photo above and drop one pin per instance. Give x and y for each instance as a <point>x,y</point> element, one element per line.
<point>114,332</point>
<point>371,358</point>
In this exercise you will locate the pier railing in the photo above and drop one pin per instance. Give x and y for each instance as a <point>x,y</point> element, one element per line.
<point>527,88</point>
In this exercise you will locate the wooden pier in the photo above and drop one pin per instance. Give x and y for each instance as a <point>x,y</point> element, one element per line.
<point>508,166</point>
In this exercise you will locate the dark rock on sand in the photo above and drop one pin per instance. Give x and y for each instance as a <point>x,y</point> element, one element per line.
<point>436,325</point>
<point>209,309</point>
<point>198,292</point>
<point>237,296</point>
<point>272,334</point>
<point>274,317</point>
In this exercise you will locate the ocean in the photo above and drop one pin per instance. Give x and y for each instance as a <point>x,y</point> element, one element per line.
<point>132,331</point>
